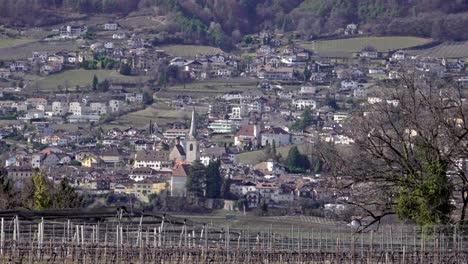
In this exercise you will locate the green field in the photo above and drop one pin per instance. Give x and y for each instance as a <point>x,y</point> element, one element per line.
<point>12,42</point>
<point>189,50</point>
<point>72,78</point>
<point>25,50</point>
<point>352,45</point>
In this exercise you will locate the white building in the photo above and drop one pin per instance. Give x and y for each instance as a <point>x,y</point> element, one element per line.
<point>301,104</point>
<point>111,26</point>
<point>308,90</point>
<point>76,108</point>
<point>275,135</point>
<point>347,84</point>
<point>339,117</point>
<point>222,127</point>
<point>116,106</point>
<point>59,108</point>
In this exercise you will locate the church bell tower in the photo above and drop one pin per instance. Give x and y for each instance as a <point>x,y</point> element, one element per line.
<point>191,149</point>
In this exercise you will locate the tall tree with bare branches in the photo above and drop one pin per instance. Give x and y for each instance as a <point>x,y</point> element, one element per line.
<point>409,153</point>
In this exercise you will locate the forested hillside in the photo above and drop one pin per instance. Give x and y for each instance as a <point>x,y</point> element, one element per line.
<point>228,19</point>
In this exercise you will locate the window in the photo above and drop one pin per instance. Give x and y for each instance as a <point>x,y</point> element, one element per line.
<point>191,147</point>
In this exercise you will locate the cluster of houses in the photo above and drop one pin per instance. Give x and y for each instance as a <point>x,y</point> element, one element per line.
<point>143,161</point>
<point>71,108</point>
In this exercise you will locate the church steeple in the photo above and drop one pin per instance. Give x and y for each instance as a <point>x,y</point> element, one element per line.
<point>191,149</point>
<point>193,128</point>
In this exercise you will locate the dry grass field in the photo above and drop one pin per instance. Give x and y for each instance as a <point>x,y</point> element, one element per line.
<point>25,50</point>
<point>189,50</point>
<point>353,45</point>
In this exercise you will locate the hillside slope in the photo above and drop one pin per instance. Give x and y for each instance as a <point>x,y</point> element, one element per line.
<point>221,22</point>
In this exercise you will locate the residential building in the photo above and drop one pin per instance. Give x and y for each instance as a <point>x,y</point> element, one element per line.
<point>279,136</point>
<point>222,126</point>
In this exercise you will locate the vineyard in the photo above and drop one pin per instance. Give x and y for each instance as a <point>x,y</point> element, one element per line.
<point>152,238</point>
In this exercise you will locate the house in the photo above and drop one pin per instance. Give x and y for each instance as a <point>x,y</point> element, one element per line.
<point>140,174</point>
<point>240,189</point>
<point>91,161</point>
<point>18,66</point>
<point>247,135</point>
<point>174,133</point>
<point>4,73</point>
<point>119,36</point>
<point>178,61</point>
<point>178,179</point>
<point>98,108</point>
<point>360,92</point>
<point>39,56</point>
<point>76,108</point>
<point>222,127</point>
<point>111,26</point>
<point>157,160</point>
<point>339,117</point>
<point>399,55</point>
<point>111,156</point>
<point>308,90</point>
<point>72,32</point>
<point>264,50</point>
<point>369,52</point>
<point>275,135</point>
<point>351,29</point>
<point>224,72</point>
<point>116,106</point>
<point>19,172</point>
<point>271,73</point>
<point>51,67</point>
<point>143,189</point>
<point>215,153</point>
<point>349,84</point>
<point>302,103</point>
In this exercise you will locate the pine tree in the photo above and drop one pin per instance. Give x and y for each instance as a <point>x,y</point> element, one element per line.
<point>297,162</point>
<point>95,82</point>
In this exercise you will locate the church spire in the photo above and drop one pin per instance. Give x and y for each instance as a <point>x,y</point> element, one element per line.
<point>193,127</point>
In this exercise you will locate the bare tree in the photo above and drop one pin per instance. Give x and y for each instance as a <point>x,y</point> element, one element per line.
<point>409,153</point>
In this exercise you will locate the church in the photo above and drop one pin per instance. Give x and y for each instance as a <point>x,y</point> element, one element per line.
<point>189,151</point>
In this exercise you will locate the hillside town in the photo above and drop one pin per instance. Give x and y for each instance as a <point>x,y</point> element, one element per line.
<point>257,136</point>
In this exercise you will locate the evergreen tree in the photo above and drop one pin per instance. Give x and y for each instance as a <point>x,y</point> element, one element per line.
<point>214,180</point>
<point>297,163</point>
<point>65,196</point>
<point>104,86</point>
<point>95,82</point>
<point>196,179</point>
